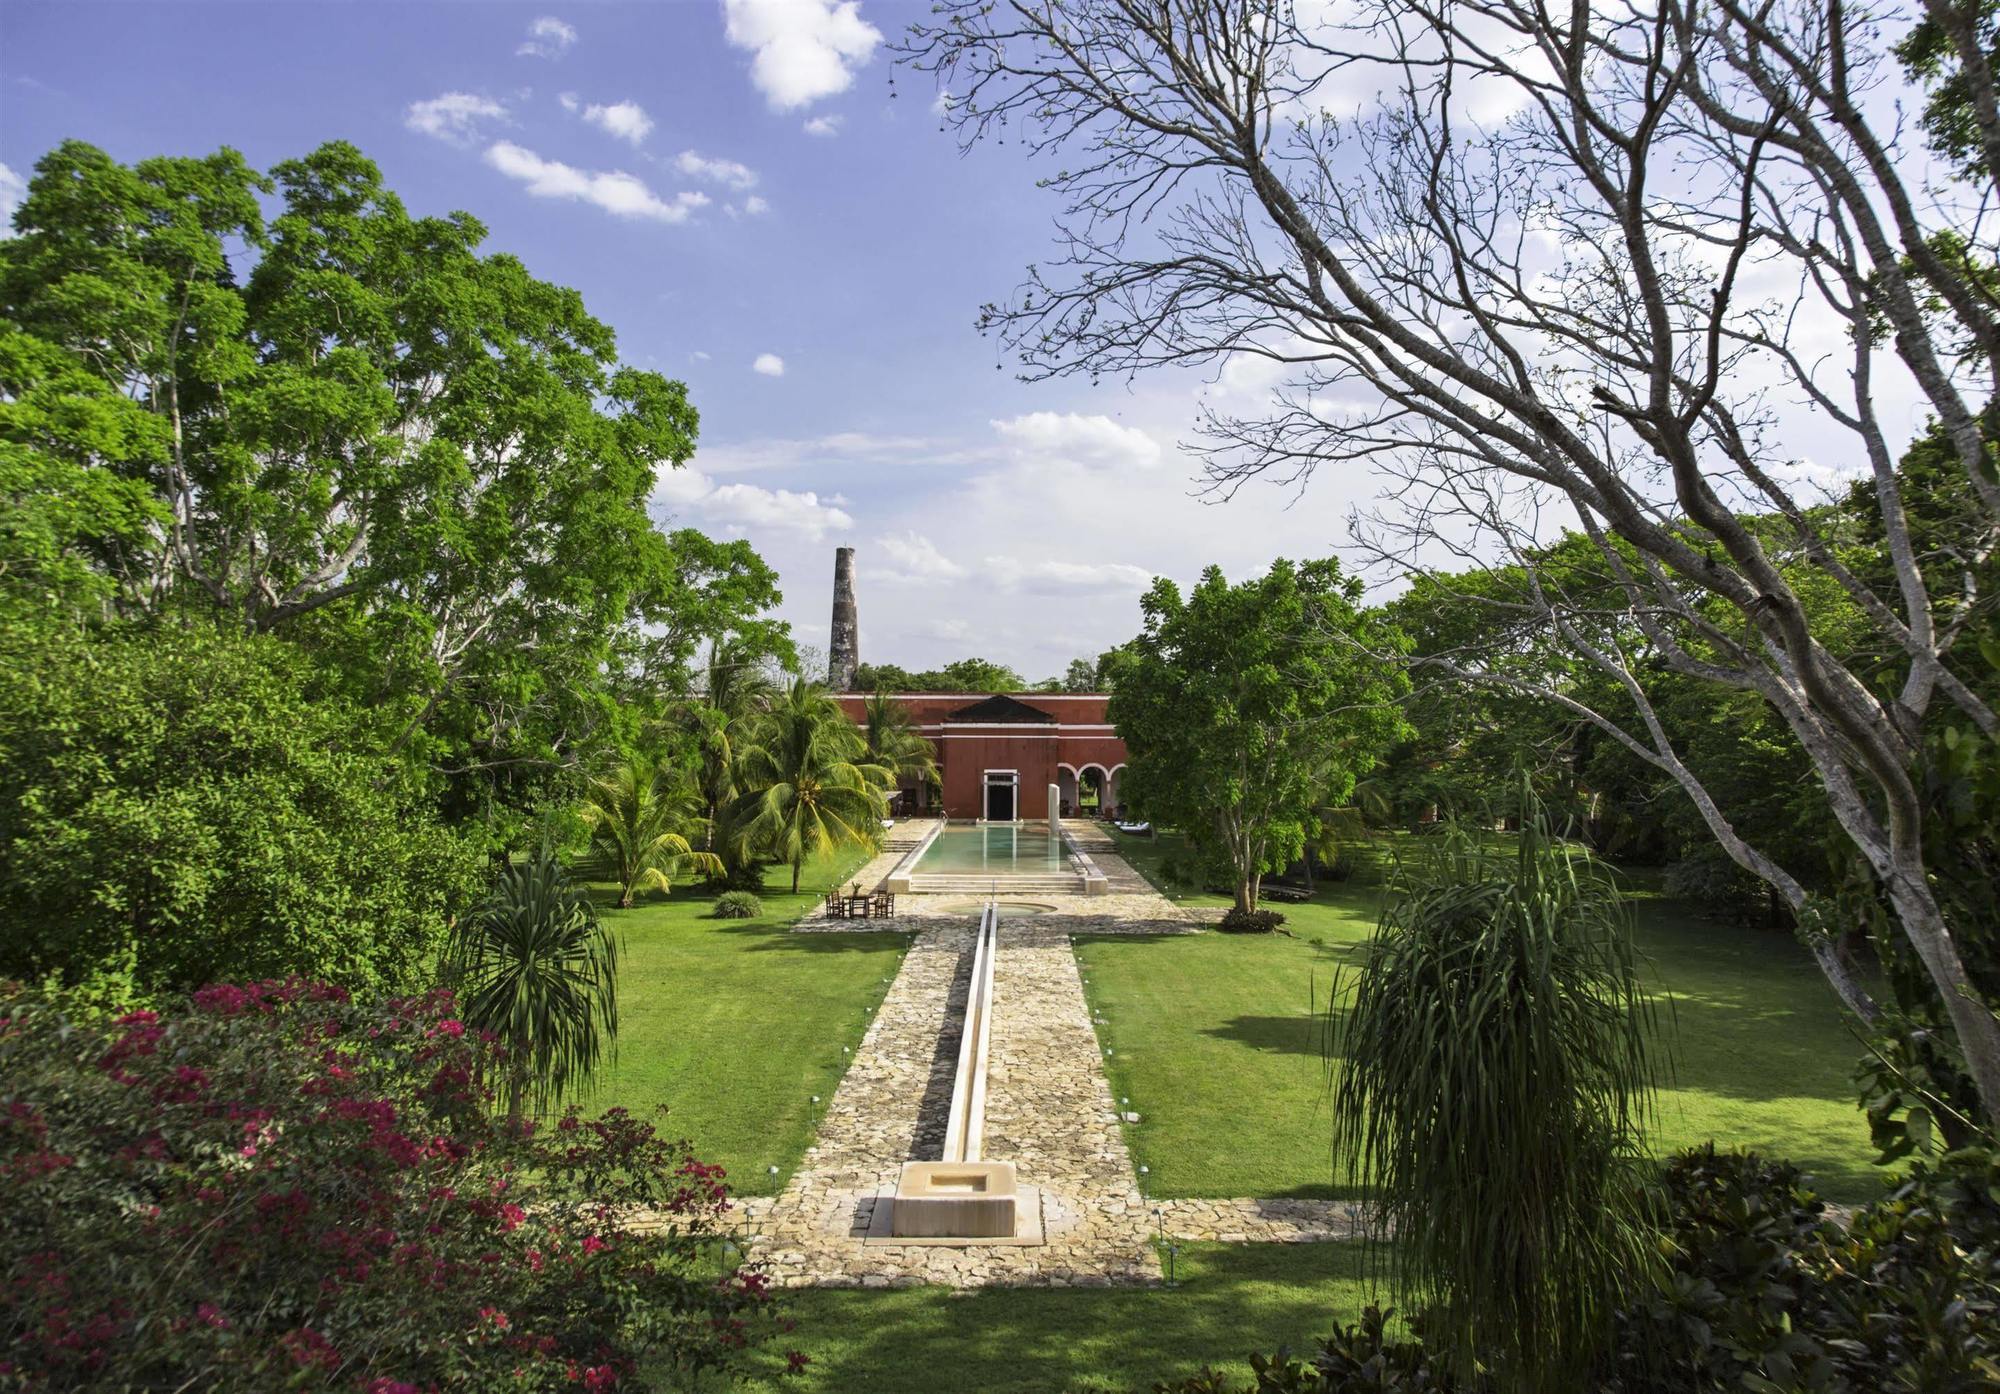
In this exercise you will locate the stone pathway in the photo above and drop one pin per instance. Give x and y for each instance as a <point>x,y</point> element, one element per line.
<point>1263,1221</point>
<point>1048,1110</point>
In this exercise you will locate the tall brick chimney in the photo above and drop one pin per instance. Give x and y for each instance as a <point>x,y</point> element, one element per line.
<point>843,651</point>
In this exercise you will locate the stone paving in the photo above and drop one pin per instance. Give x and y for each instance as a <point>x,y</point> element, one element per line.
<point>1049,1109</point>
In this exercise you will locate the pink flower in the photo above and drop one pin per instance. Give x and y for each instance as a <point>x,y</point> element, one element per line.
<point>511,1216</point>
<point>591,1244</point>
<point>210,1314</point>
<point>494,1315</point>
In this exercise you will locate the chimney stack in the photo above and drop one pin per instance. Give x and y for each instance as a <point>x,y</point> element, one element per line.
<point>843,653</point>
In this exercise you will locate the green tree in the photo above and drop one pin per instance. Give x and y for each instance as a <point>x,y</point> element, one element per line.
<point>1246,707</point>
<point>537,968</point>
<point>807,785</point>
<point>353,428</point>
<point>183,804</point>
<point>638,815</point>
<point>1494,1071</point>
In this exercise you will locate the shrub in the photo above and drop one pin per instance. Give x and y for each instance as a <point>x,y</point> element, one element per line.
<point>1708,880</point>
<point>181,805</point>
<point>276,1187</point>
<point>1240,921</point>
<point>1357,1359</point>
<point>737,905</point>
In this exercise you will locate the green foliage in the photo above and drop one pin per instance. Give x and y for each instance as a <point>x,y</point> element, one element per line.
<point>963,675</point>
<point>534,966</point>
<point>1245,708</point>
<point>278,1188</point>
<point>1356,1359</point>
<point>408,457</point>
<point>182,805</point>
<point>1497,1066</point>
<point>637,814</point>
<point>807,786</point>
<point>891,740</point>
<point>1237,920</point>
<point>737,905</point>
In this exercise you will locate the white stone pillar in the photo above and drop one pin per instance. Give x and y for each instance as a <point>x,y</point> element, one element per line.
<point>1055,812</point>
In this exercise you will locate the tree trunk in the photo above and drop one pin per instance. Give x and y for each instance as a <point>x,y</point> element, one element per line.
<point>795,875</point>
<point>1977,1027</point>
<point>1246,891</point>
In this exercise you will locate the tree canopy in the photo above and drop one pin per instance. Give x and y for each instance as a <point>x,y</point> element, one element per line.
<point>1245,708</point>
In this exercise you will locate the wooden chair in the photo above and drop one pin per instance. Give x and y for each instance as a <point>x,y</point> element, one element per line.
<point>836,906</point>
<point>884,906</point>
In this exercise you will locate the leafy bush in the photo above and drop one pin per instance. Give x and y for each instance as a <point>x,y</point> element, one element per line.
<point>1240,921</point>
<point>278,1188</point>
<point>1764,1291</point>
<point>1708,880</point>
<point>1357,1359</point>
<point>737,905</point>
<point>181,805</point>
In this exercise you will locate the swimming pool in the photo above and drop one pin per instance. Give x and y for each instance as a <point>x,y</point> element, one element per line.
<point>997,848</point>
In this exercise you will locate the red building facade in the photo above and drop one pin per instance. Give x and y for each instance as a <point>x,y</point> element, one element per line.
<point>998,753</point>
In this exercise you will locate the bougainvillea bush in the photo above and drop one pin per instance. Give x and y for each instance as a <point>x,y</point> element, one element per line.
<point>274,1187</point>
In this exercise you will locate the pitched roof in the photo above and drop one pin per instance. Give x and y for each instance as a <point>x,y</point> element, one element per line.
<point>1001,708</point>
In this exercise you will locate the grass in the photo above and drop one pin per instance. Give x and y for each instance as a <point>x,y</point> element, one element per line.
<point>734,1025</point>
<point>1232,1300</point>
<point>1217,1042</point>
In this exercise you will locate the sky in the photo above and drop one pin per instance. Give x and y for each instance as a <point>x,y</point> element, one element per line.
<point>762,204</point>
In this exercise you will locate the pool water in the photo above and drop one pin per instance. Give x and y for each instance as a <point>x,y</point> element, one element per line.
<point>1009,909</point>
<point>995,848</point>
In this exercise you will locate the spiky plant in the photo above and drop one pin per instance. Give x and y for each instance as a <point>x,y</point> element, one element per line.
<point>636,815</point>
<point>807,783</point>
<point>535,966</point>
<point>1492,1075</point>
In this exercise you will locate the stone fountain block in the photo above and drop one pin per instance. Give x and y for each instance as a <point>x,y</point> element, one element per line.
<point>954,1200</point>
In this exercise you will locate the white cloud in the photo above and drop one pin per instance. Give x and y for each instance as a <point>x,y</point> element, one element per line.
<point>626,120</point>
<point>13,189</point>
<point>548,37</point>
<point>1067,577</point>
<point>700,355</point>
<point>615,191</point>
<point>748,509</point>
<point>1085,439</point>
<point>568,100</point>
<point>804,49</point>
<point>823,126</point>
<point>913,559</point>
<point>455,116</point>
<point>725,172</point>
<point>769,364</point>
<point>756,204</point>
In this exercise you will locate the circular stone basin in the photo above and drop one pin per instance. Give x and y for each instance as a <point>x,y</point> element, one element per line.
<point>1009,909</point>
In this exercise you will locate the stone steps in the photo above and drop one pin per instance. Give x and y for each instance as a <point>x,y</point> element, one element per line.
<point>940,884</point>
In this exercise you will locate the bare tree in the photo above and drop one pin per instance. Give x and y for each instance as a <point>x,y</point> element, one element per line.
<point>1594,268</point>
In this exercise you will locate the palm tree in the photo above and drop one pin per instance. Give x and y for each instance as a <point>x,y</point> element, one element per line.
<point>534,966</point>
<point>635,814</point>
<point>890,738</point>
<point>807,783</point>
<point>1496,1072</point>
<point>735,690</point>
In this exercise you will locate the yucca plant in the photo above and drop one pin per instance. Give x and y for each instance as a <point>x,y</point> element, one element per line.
<point>1491,1079</point>
<point>636,814</point>
<point>533,965</point>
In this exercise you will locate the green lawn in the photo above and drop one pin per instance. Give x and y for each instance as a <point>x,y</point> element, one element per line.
<point>735,1024</point>
<point>1233,1299</point>
<point>1217,1043</point>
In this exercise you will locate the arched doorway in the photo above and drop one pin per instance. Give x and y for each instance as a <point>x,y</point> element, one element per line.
<point>1091,785</point>
<point>1113,804</point>
<point>1066,790</point>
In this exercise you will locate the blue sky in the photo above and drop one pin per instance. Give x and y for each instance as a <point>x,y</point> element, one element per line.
<point>733,187</point>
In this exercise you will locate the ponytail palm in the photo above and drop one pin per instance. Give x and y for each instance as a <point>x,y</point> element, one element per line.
<point>1496,1073</point>
<point>534,966</point>
<point>808,785</point>
<point>636,814</point>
